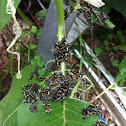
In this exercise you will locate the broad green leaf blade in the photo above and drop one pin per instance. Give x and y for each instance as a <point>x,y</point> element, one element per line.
<point>68,113</point>
<point>119,77</point>
<point>10,103</point>
<point>4,17</point>
<point>122,66</point>
<point>119,6</point>
<point>23,16</point>
<point>41,14</point>
<point>123,46</point>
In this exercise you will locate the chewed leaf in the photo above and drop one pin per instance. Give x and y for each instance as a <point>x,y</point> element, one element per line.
<point>67,114</point>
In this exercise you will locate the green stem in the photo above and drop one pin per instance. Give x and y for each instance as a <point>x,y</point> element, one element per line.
<point>29,47</point>
<point>61,26</point>
<point>75,88</point>
<point>10,62</point>
<point>63,68</point>
<point>60,17</point>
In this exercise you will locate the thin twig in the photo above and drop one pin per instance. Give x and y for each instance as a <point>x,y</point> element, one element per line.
<point>109,87</point>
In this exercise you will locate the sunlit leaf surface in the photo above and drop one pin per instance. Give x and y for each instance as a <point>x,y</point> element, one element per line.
<point>13,112</point>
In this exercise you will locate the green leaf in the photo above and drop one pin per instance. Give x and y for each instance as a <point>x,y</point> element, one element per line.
<point>4,17</point>
<point>106,42</point>
<point>122,66</point>
<point>115,48</point>
<point>119,32</point>
<point>124,92</point>
<point>40,64</point>
<point>41,14</point>
<point>68,113</point>
<point>32,46</point>
<point>38,33</point>
<point>11,102</point>
<point>119,6</point>
<point>24,34</point>
<point>122,40</point>
<point>28,27</point>
<point>106,8</point>
<point>110,24</point>
<point>98,51</point>
<point>34,29</point>
<point>37,57</point>
<point>103,33</point>
<point>42,72</point>
<point>23,16</point>
<point>15,113</point>
<point>115,63</point>
<point>107,48</point>
<point>119,77</point>
<point>121,36</point>
<point>110,36</point>
<point>33,61</point>
<point>122,82</point>
<point>122,46</point>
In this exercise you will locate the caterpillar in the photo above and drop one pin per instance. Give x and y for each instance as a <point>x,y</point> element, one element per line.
<point>33,108</point>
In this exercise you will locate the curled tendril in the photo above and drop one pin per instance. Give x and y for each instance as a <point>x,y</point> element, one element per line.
<point>10,9</point>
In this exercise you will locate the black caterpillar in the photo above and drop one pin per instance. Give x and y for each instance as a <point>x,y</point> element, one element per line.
<point>88,10</point>
<point>91,109</point>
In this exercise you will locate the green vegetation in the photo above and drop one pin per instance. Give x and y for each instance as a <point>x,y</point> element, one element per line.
<point>12,109</point>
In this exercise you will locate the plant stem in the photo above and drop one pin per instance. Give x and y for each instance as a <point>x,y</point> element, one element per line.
<point>29,47</point>
<point>10,62</point>
<point>75,88</point>
<point>63,68</point>
<point>60,17</point>
<point>61,26</point>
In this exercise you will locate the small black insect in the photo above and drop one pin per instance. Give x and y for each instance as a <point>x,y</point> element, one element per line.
<point>46,105</point>
<point>33,98</point>
<point>61,92</point>
<point>85,113</point>
<point>99,123</point>
<point>31,76</point>
<point>45,93</point>
<point>93,109</point>
<point>24,88</point>
<point>33,108</point>
<point>52,77</point>
<point>41,78</point>
<point>26,95</point>
<point>62,77</point>
<point>88,15</point>
<point>66,14</point>
<point>62,41</point>
<point>35,88</point>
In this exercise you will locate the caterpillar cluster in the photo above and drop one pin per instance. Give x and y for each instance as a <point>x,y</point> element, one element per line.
<point>58,86</point>
<point>62,51</point>
<point>91,109</point>
<point>88,10</point>
<point>54,91</point>
<point>94,109</point>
